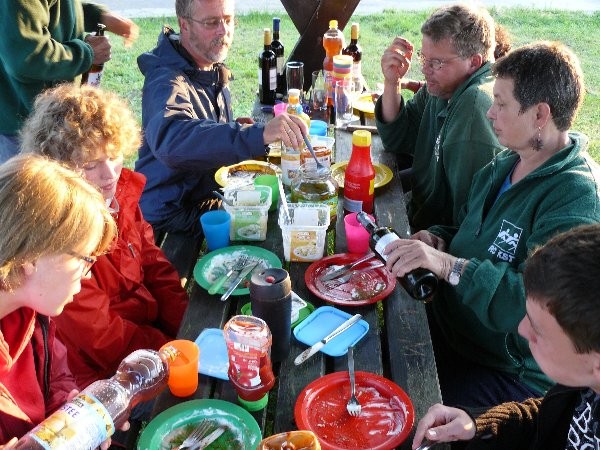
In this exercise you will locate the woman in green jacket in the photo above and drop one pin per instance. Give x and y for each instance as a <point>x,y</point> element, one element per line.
<point>544,184</point>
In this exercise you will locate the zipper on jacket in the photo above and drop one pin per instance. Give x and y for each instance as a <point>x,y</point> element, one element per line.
<point>43,320</point>
<point>130,246</point>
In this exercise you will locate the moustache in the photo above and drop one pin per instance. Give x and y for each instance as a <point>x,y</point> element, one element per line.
<point>219,42</point>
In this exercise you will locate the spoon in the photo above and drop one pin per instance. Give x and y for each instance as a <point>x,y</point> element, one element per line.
<point>321,169</point>
<point>222,197</point>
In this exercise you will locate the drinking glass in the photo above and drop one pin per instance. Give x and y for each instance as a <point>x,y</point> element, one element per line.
<point>294,75</point>
<point>319,96</point>
<point>183,372</point>
<point>343,97</point>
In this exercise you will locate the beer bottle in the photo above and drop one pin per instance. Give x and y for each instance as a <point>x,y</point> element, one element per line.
<point>93,77</point>
<point>267,71</point>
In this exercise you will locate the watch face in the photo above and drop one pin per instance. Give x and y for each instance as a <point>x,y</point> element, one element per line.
<point>453,278</point>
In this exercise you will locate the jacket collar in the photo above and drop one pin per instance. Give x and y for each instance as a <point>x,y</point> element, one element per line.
<point>16,330</point>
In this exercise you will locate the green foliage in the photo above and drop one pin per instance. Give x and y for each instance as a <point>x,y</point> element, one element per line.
<point>577,30</point>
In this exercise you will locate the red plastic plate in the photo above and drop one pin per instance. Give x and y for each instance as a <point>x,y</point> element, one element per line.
<point>385,421</point>
<point>362,289</point>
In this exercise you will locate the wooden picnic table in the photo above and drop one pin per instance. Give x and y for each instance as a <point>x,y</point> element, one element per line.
<point>397,345</point>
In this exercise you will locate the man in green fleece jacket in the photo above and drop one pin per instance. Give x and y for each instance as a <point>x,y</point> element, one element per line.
<point>43,44</point>
<point>443,127</point>
<point>544,184</point>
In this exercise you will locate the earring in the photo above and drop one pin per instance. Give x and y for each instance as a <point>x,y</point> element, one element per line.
<point>537,143</point>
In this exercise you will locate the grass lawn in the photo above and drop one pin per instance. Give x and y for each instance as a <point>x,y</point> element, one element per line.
<point>577,30</point>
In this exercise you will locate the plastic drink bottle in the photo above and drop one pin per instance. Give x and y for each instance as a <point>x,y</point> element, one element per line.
<point>359,180</point>
<point>248,340</point>
<point>333,43</point>
<point>97,411</point>
<point>420,283</point>
<point>290,158</point>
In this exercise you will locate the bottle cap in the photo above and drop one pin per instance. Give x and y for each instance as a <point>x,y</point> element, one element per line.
<point>333,23</point>
<point>362,138</point>
<point>255,405</point>
<point>294,94</point>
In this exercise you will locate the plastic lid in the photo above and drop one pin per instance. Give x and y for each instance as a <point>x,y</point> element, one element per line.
<point>293,95</point>
<point>256,405</point>
<point>270,284</point>
<point>362,138</point>
<point>333,23</point>
<point>318,127</point>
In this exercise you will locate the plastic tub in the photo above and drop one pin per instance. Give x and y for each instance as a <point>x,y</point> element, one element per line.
<point>249,212</point>
<point>304,234</point>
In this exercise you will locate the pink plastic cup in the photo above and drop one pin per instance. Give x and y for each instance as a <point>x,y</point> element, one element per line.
<point>357,238</point>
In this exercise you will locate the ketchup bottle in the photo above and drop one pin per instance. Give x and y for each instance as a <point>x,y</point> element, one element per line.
<point>248,341</point>
<point>359,180</point>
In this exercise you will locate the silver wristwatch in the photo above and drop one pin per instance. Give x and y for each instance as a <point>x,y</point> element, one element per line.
<point>454,275</point>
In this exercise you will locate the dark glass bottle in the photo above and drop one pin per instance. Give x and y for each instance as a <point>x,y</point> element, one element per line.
<point>267,72</point>
<point>354,50</point>
<point>278,49</point>
<point>93,77</point>
<point>421,283</point>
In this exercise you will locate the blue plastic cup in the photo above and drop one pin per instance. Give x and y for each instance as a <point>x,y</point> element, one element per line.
<point>215,225</point>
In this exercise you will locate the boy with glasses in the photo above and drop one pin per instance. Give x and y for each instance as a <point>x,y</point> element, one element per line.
<point>443,128</point>
<point>189,128</point>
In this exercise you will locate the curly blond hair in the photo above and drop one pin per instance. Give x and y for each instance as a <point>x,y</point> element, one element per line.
<point>77,124</point>
<point>47,209</point>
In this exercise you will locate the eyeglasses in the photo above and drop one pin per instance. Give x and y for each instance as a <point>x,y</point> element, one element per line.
<point>435,64</point>
<point>88,262</point>
<point>214,22</point>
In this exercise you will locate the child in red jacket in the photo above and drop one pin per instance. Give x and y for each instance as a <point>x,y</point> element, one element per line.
<point>53,225</point>
<point>134,298</point>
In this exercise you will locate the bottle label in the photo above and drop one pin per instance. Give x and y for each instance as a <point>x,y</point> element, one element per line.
<point>82,423</point>
<point>290,163</point>
<point>245,362</point>
<point>280,64</point>
<point>304,246</point>
<point>94,78</point>
<point>383,242</point>
<point>248,225</point>
<point>356,70</point>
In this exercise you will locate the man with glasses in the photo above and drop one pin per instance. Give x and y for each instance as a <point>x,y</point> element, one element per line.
<point>189,128</point>
<point>444,126</point>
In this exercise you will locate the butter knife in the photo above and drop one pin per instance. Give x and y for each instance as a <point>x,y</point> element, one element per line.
<point>319,345</point>
<point>346,267</point>
<point>234,284</point>
<point>209,439</point>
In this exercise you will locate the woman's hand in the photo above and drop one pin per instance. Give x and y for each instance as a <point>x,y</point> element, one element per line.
<point>444,424</point>
<point>406,255</point>
<point>10,444</point>
<point>287,128</point>
<point>430,239</point>
<point>106,443</point>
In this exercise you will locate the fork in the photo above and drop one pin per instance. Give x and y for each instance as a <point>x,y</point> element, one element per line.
<point>332,284</point>
<point>236,267</point>
<point>353,406</point>
<point>195,436</point>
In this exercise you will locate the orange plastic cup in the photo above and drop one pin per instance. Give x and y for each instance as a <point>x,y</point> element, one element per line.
<point>183,372</point>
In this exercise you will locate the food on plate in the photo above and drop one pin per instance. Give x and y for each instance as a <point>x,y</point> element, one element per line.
<point>231,439</point>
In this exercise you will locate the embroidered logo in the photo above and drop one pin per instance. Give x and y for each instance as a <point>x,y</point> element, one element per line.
<point>506,243</point>
<point>436,147</point>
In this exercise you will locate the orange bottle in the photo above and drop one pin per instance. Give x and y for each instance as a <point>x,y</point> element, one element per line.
<point>333,43</point>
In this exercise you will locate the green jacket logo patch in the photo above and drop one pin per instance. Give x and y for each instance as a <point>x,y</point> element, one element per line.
<point>505,244</point>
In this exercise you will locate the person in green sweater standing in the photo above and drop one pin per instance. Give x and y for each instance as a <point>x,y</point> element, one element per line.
<point>443,128</point>
<point>43,44</point>
<point>543,184</point>
<point>562,281</point>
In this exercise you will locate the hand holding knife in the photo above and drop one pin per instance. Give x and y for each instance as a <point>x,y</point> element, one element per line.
<point>319,345</point>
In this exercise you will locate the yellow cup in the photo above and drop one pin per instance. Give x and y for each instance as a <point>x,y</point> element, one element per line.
<point>183,372</point>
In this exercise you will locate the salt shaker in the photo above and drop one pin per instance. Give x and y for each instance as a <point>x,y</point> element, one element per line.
<point>271,300</point>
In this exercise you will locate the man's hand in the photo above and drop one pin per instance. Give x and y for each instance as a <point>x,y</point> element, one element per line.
<point>396,59</point>
<point>287,128</point>
<point>121,26</point>
<point>100,47</point>
<point>444,424</point>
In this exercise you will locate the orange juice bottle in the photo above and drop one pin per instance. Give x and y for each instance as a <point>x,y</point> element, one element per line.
<point>333,43</point>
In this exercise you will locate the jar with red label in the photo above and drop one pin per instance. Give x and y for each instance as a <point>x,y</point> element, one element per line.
<point>248,341</point>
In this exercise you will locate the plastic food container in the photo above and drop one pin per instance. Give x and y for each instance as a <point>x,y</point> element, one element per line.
<point>304,233</point>
<point>249,212</point>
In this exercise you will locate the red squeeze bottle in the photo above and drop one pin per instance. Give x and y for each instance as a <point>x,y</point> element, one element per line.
<point>359,180</point>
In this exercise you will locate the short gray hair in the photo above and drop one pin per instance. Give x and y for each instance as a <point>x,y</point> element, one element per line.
<point>471,29</point>
<point>183,8</point>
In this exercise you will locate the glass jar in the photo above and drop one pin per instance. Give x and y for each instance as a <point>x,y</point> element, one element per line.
<point>312,186</point>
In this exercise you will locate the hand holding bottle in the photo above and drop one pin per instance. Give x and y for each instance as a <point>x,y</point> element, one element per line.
<point>101,48</point>
<point>430,239</point>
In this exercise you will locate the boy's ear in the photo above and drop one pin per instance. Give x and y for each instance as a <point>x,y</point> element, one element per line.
<point>596,369</point>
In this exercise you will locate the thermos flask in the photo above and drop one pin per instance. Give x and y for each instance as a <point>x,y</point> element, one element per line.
<point>271,300</point>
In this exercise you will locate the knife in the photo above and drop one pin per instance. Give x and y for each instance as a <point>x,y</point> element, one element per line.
<point>346,267</point>
<point>319,345</point>
<point>209,439</point>
<point>238,280</point>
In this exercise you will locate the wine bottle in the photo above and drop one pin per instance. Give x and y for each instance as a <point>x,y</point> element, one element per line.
<point>93,77</point>
<point>354,50</point>
<point>278,49</point>
<point>267,72</point>
<point>97,411</point>
<point>420,283</point>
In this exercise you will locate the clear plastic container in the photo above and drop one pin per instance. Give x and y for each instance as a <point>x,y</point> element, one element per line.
<point>249,212</point>
<point>304,233</point>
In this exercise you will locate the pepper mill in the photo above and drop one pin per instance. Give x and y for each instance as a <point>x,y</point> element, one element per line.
<point>271,300</point>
